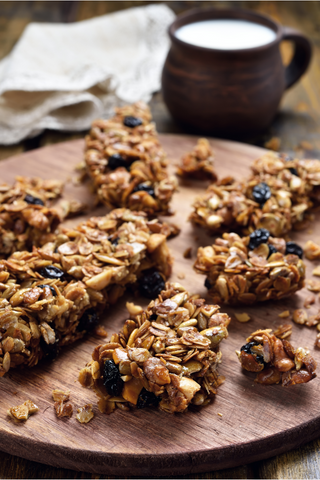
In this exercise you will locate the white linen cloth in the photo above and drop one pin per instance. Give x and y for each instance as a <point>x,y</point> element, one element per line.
<point>63,76</point>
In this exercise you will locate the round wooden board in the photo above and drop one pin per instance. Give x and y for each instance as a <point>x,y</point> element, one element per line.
<point>256,422</point>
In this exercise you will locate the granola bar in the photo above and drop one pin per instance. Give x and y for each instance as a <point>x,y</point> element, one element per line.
<point>250,269</point>
<point>166,357</point>
<point>51,296</point>
<point>275,360</point>
<point>26,215</point>
<point>278,197</point>
<point>126,162</point>
<point>198,163</point>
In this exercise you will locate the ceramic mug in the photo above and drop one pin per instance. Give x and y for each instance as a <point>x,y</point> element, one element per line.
<point>229,92</point>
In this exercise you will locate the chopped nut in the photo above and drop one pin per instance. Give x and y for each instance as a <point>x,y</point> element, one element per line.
<point>63,409</point>
<point>100,331</point>
<point>284,314</point>
<point>300,316</point>
<point>22,412</point>
<point>242,317</point>
<point>60,395</point>
<point>85,413</point>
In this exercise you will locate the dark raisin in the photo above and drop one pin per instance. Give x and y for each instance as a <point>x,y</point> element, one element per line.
<point>272,249</point>
<point>132,122</point>
<point>116,161</point>
<point>293,248</point>
<point>153,317</point>
<point>294,171</point>
<point>144,188</point>
<point>51,272</point>
<point>54,293</point>
<point>88,321</point>
<point>112,379</point>
<point>247,347</point>
<point>207,283</point>
<point>33,200</point>
<point>258,237</point>
<point>50,350</point>
<point>260,359</point>
<point>147,399</point>
<point>113,240</point>
<point>261,193</point>
<point>151,284</point>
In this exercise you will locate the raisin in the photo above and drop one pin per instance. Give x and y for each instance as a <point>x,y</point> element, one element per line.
<point>272,249</point>
<point>258,237</point>
<point>293,248</point>
<point>151,284</point>
<point>54,293</point>
<point>51,272</point>
<point>294,171</point>
<point>50,350</point>
<point>33,200</point>
<point>112,379</point>
<point>207,283</point>
<point>116,161</point>
<point>247,347</point>
<point>88,321</point>
<point>153,317</point>
<point>147,399</point>
<point>261,193</point>
<point>113,240</point>
<point>132,122</point>
<point>144,188</point>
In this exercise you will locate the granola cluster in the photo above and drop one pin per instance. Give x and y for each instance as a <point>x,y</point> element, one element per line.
<point>166,357</point>
<point>250,269</point>
<point>127,163</point>
<point>275,360</point>
<point>198,163</point>
<point>51,296</point>
<point>278,196</point>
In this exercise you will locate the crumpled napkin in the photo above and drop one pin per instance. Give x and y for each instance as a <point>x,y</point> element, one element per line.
<point>63,76</point>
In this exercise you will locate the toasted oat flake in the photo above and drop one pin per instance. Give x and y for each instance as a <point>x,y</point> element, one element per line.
<point>284,314</point>
<point>85,413</point>
<point>242,317</point>
<point>22,412</point>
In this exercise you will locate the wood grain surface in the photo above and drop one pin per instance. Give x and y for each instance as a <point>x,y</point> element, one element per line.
<point>257,421</point>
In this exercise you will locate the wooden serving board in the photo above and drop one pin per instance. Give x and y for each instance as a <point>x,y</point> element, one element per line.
<point>257,421</point>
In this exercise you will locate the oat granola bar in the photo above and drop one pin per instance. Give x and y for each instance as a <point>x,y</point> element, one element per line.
<point>250,269</point>
<point>278,196</point>
<point>126,162</point>
<point>51,296</point>
<point>167,357</point>
<point>27,217</point>
<point>275,360</point>
<point>198,163</point>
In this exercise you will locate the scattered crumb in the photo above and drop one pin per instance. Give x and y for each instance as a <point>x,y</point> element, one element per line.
<point>313,285</point>
<point>220,414</point>
<point>242,317</point>
<point>133,309</point>
<point>300,316</point>
<point>60,395</point>
<point>309,300</point>
<point>317,343</point>
<point>284,314</point>
<point>312,250</point>
<point>273,144</point>
<point>283,331</point>
<point>187,253</point>
<point>313,320</point>
<point>316,271</point>
<point>181,276</point>
<point>305,145</point>
<point>100,331</point>
<point>23,412</point>
<point>85,413</point>
<point>63,409</point>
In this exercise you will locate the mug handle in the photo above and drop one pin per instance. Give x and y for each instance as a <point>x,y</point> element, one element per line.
<point>301,57</point>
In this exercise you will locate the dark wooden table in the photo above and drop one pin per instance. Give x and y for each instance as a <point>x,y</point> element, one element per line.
<point>297,126</point>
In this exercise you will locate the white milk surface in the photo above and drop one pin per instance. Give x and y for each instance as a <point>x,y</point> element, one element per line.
<point>226,34</point>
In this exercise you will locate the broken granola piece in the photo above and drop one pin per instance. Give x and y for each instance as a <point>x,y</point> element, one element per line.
<point>277,196</point>
<point>312,250</point>
<point>85,413</point>
<point>166,356</point>
<point>246,270</point>
<point>60,396</point>
<point>242,317</point>
<point>63,409</point>
<point>52,296</point>
<point>198,163</point>
<point>316,272</point>
<point>313,285</point>
<point>23,412</point>
<point>127,163</point>
<point>275,360</point>
<point>284,314</point>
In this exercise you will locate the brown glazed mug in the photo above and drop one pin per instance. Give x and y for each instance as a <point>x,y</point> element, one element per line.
<point>229,92</point>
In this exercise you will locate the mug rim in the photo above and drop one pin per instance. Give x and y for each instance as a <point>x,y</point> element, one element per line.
<point>201,14</point>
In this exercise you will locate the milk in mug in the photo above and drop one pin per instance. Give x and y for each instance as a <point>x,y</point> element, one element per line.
<point>226,34</point>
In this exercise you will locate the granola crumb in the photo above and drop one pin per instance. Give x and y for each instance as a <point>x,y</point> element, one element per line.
<point>63,409</point>
<point>23,412</point>
<point>60,395</point>
<point>85,413</point>
<point>220,414</point>
<point>312,250</point>
<point>284,314</point>
<point>313,285</point>
<point>309,300</point>
<point>273,144</point>
<point>316,271</point>
<point>100,331</point>
<point>181,276</point>
<point>134,309</point>
<point>300,316</point>
<point>187,253</point>
<point>242,317</point>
